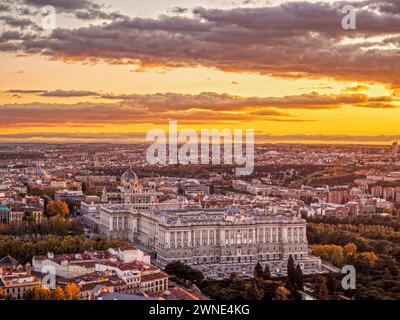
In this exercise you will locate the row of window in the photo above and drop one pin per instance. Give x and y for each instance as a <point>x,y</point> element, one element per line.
<point>187,244</point>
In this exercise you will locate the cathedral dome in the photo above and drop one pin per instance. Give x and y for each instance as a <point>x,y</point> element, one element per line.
<point>129,180</point>
<point>129,176</point>
<point>40,172</point>
<point>232,211</point>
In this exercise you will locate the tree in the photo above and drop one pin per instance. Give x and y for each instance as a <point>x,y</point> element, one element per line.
<point>267,273</point>
<point>291,273</point>
<point>322,290</point>
<point>386,264</point>
<point>185,272</point>
<point>258,271</point>
<point>30,222</point>
<point>331,283</point>
<point>370,257</point>
<point>252,291</point>
<point>349,249</point>
<point>38,293</point>
<point>329,252</point>
<point>72,291</point>
<point>233,276</point>
<point>1,294</point>
<point>306,199</point>
<point>337,255</point>
<point>281,293</point>
<point>57,208</point>
<point>296,295</point>
<point>269,288</point>
<point>23,251</point>
<point>58,294</point>
<point>290,268</point>
<point>28,217</point>
<point>299,278</point>
<point>365,262</point>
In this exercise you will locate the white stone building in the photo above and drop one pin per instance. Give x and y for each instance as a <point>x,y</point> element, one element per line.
<point>217,241</point>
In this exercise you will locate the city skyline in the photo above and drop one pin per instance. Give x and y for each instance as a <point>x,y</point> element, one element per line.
<point>112,70</point>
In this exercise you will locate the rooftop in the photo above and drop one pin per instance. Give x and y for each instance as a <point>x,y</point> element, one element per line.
<point>217,216</point>
<point>8,260</point>
<point>4,208</point>
<point>121,296</point>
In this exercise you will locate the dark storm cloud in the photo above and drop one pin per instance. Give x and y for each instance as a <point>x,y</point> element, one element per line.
<point>292,40</point>
<point>297,18</point>
<point>91,113</point>
<point>15,35</point>
<point>66,93</point>
<point>295,39</point>
<point>93,14</point>
<point>179,10</point>
<point>25,91</point>
<point>61,4</point>
<point>4,7</point>
<point>56,93</point>
<point>17,22</point>
<point>226,102</point>
<point>84,10</point>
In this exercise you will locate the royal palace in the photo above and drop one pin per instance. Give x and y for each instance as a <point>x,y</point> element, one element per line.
<point>216,241</point>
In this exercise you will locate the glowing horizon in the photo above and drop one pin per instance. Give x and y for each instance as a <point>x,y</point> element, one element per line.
<point>114,71</point>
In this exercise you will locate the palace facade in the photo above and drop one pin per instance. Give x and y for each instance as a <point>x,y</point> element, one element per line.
<point>216,241</point>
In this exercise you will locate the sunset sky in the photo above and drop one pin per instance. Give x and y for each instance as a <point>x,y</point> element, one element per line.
<point>114,69</point>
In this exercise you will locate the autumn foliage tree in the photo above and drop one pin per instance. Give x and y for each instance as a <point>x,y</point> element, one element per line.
<point>72,292</point>
<point>282,293</point>
<point>24,251</point>
<point>38,293</point>
<point>339,255</point>
<point>329,252</point>
<point>57,208</point>
<point>58,294</point>
<point>349,249</point>
<point>370,243</point>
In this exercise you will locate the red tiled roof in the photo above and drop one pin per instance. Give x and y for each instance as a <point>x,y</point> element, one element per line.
<point>153,276</point>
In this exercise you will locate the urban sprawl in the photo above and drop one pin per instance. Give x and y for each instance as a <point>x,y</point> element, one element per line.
<point>95,221</point>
